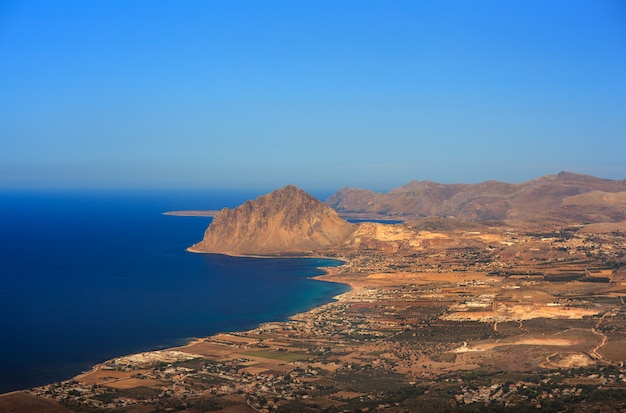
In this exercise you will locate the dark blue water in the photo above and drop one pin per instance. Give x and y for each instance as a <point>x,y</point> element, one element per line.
<point>87,276</point>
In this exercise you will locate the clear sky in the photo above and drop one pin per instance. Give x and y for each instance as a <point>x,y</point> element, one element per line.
<point>321,94</point>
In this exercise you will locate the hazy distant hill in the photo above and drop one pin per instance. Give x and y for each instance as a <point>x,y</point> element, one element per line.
<point>551,197</point>
<point>287,220</point>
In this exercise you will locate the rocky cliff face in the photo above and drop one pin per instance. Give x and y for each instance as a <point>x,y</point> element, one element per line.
<point>286,221</point>
<point>546,197</point>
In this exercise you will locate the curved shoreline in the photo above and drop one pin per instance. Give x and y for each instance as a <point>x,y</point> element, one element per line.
<point>197,340</point>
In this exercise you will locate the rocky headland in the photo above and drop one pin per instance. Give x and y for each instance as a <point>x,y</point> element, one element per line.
<point>287,221</point>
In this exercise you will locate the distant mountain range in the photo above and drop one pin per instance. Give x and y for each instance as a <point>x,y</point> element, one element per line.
<point>563,198</point>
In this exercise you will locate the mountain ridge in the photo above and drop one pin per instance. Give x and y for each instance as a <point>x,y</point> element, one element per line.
<point>542,198</point>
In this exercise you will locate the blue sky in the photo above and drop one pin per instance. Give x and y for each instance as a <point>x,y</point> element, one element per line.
<point>321,94</point>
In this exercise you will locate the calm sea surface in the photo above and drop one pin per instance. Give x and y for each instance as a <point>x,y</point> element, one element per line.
<point>88,276</point>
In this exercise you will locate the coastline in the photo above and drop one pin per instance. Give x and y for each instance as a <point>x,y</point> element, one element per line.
<point>193,213</point>
<point>396,331</point>
<point>100,367</point>
<point>329,276</point>
<point>426,317</point>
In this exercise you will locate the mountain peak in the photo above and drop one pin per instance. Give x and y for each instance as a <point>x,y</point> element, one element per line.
<point>290,189</point>
<point>285,221</point>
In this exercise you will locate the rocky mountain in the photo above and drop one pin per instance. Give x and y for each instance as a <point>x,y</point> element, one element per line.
<point>551,197</point>
<point>286,221</point>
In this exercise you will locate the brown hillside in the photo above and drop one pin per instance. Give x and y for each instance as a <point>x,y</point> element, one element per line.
<point>594,206</point>
<point>286,221</point>
<point>540,198</point>
<point>20,402</point>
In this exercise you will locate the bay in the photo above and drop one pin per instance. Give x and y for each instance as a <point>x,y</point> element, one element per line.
<point>86,276</point>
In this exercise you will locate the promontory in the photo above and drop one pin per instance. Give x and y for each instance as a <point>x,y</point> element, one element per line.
<point>287,221</point>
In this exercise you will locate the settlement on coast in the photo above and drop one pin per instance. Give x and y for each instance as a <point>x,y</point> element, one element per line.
<point>464,319</point>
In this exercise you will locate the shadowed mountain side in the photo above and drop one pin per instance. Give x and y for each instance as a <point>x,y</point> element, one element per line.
<point>286,221</point>
<point>21,402</point>
<point>547,197</point>
<point>594,206</point>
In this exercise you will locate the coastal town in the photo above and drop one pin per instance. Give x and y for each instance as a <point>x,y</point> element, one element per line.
<point>478,319</point>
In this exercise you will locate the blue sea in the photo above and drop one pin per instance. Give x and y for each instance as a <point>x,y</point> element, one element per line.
<point>86,276</point>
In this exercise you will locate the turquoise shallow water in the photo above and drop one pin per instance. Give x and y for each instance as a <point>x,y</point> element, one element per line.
<point>87,276</point>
